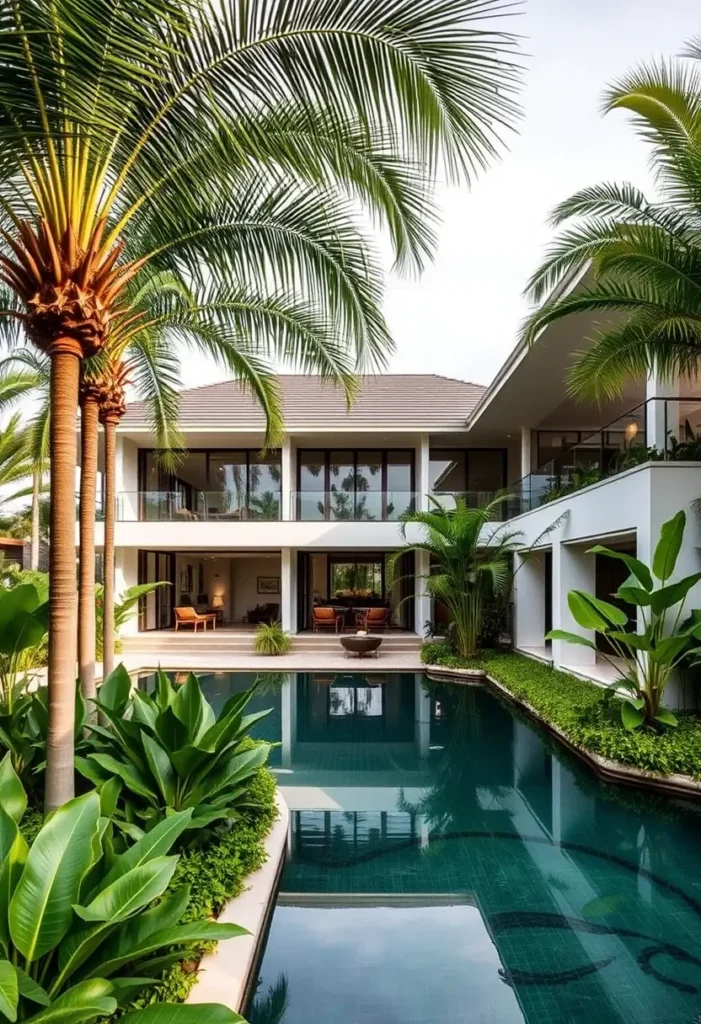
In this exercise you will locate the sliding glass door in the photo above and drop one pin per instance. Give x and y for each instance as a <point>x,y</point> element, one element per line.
<point>156,608</point>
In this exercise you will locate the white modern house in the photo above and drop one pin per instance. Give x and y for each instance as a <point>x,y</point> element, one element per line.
<point>275,535</point>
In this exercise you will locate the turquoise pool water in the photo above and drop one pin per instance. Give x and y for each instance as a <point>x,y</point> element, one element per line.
<point>448,863</point>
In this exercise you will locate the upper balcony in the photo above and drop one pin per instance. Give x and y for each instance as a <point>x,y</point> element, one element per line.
<point>197,506</point>
<point>660,430</point>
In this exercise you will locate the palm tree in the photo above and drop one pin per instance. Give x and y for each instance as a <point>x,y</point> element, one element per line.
<point>25,375</point>
<point>465,572</point>
<point>15,464</point>
<point>121,123</point>
<point>644,256</point>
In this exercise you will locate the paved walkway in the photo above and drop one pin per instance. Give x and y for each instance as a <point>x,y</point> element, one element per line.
<point>300,662</point>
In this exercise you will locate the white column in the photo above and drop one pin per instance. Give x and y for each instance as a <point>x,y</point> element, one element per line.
<point>423,610</point>
<point>573,569</point>
<point>422,472</point>
<point>289,478</point>
<point>662,417</point>
<point>288,698</point>
<point>529,600</point>
<point>526,451</point>
<point>288,590</point>
<point>422,718</point>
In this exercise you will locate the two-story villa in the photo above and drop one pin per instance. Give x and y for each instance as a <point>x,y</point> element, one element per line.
<point>256,536</point>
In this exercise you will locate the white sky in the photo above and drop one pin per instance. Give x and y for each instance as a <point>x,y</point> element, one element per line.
<point>460,318</point>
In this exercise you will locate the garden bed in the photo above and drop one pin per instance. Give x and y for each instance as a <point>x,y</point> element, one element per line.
<point>587,718</point>
<point>218,873</point>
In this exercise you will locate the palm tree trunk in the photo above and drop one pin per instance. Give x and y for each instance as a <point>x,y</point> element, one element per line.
<point>86,577</point>
<point>108,633</point>
<point>65,374</point>
<point>36,495</point>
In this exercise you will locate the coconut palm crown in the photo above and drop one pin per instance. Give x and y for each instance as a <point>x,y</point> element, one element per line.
<point>644,255</point>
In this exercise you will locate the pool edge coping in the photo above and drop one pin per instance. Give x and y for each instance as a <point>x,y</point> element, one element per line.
<point>613,771</point>
<point>225,975</point>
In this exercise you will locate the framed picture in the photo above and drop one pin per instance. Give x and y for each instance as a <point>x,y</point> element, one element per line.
<point>268,584</point>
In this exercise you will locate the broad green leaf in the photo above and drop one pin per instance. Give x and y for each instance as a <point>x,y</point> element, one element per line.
<point>30,989</point>
<point>630,715</point>
<point>117,955</point>
<point>82,1002</point>
<point>192,710</point>
<point>668,546</point>
<point>665,716</point>
<point>206,814</point>
<point>80,943</point>
<point>637,640</point>
<point>161,767</point>
<point>635,566</point>
<point>109,795</point>
<point>625,684</point>
<point>570,638</point>
<point>668,649</point>
<point>130,892</point>
<point>165,691</point>
<point>155,843</point>
<point>673,593</point>
<point>634,595</point>
<point>127,772</point>
<point>184,1013</point>
<point>127,989</point>
<point>239,767</point>
<point>9,992</point>
<point>41,909</point>
<point>172,733</point>
<point>144,710</point>
<point>190,758</point>
<point>92,771</point>
<point>8,832</point>
<point>116,690</point>
<point>592,613</point>
<point>12,796</point>
<point>11,868</point>
<point>637,702</point>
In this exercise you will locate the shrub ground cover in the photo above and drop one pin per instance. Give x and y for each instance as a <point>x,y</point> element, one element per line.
<point>216,873</point>
<point>587,714</point>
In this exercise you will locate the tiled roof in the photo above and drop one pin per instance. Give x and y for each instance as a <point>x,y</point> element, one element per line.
<point>392,400</point>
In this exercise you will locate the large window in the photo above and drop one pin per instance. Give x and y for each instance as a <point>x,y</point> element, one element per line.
<point>357,578</point>
<point>216,484</point>
<point>355,484</point>
<point>475,472</point>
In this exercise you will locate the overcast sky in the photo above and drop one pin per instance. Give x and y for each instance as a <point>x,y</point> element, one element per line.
<point>460,318</point>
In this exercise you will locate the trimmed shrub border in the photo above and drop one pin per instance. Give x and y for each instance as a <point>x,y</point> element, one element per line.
<point>613,771</point>
<point>226,974</point>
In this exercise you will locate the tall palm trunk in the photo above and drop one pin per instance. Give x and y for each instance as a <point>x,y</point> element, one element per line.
<point>109,423</point>
<point>86,577</point>
<point>65,375</point>
<point>36,496</point>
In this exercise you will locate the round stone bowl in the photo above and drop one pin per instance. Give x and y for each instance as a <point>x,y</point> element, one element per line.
<point>361,645</point>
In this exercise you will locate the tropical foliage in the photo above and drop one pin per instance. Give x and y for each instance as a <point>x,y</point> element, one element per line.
<point>171,751</point>
<point>666,640</point>
<point>643,255</point>
<point>271,638</point>
<point>466,574</point>
<point>79,932</point>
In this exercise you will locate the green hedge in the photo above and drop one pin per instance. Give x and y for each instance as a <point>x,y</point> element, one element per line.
<point>216,874</point>
<point>587,714</point>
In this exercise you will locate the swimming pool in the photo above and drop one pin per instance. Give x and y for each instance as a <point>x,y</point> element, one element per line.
<point>448,862</point>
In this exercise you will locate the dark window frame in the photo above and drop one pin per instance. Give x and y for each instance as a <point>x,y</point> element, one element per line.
<point>466,451</point>
<point>326,489</point>
<point>174,482</point>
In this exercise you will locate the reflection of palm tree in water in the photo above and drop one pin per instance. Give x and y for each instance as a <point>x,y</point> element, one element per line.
<point>452,799</point>
<point>272,1007</point>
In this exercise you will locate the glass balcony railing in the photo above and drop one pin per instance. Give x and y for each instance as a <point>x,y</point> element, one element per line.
<point>473,499</point>
<point>200,506</point>
<point>347,506</point>
<point>615,448</point>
